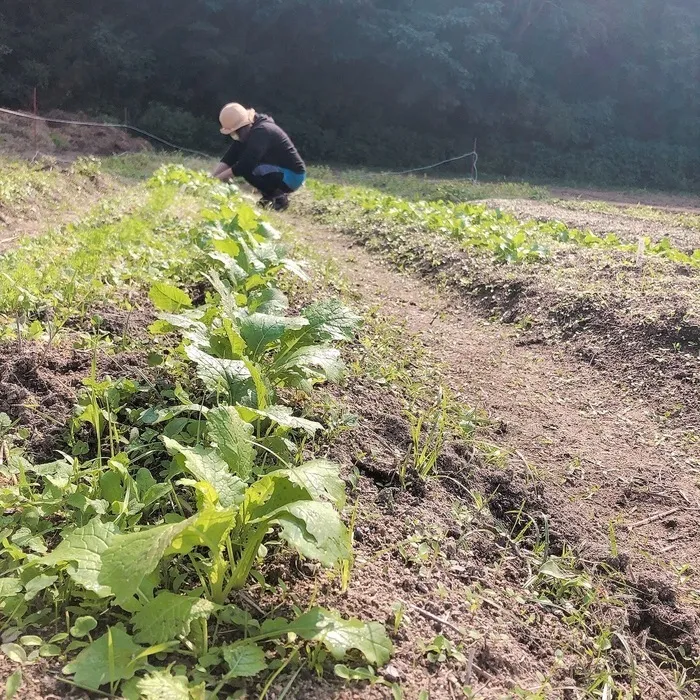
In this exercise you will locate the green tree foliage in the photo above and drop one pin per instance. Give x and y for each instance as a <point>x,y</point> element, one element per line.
<point>599,89</point>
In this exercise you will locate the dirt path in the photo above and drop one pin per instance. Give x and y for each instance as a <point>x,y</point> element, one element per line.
<point>628,227</point>
<point>597,452</point>
<point>660,200</point>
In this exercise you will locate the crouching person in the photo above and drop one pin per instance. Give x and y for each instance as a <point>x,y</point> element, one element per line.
<point>262,154</point>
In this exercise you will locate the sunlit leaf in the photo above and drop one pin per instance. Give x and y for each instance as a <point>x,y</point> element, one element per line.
<point>331,320</point>
<point>337,634</point>
<point>285,418</point>
<point>261,331</point>
<point>130,558</point>
<point>82,549</point>
<point>165,297</point>
<point>316,531</point>
<point>160,685</point>
<point>109,659</point>
<point>244,660</point>
<point>233,438</point>
<point>169,616</point>
<point>207,465</point>
<point>320,478</point>
<point>13,684</point>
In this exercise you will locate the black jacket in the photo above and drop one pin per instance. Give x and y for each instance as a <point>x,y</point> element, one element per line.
<point>266,144</point>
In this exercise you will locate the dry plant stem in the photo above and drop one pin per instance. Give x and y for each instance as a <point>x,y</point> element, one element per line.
<point>653,518</point>
<point>434,618</point>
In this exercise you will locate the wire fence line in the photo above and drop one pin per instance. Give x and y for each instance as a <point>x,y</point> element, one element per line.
<point>471,154</point>
<point>55,120</point>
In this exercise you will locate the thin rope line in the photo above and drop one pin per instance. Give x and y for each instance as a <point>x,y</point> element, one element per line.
<point>435,165</point>
<point>100,124</point>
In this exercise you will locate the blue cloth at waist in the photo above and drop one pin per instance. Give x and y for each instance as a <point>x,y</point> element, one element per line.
<point>293,180</point>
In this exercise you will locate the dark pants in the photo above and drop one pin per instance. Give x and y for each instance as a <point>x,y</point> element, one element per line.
<point>270,184</point>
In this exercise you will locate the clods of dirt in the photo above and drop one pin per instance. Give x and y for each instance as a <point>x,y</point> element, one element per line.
<point>121,324</point>
<point>656,613</point>
<point>39,385</point>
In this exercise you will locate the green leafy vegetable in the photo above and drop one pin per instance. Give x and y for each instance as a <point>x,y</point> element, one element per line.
<point>109,659</point>
<point>165,297</point>
<point>244,660</point>
<point>169,616</point>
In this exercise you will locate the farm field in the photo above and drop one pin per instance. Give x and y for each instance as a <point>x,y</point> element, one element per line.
<point>413,438</point>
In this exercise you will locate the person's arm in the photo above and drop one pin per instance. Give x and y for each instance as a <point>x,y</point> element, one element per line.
<point>222,172</point>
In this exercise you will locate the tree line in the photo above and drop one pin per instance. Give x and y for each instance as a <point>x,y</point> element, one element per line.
<point>596,90</point>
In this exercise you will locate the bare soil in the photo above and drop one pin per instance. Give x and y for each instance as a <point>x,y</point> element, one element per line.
<point>660,200</point>
<point>29,138</point>
<point>588,455</point>
<point>39,387</point>
<point>593,448</point>
<point>628,228</point>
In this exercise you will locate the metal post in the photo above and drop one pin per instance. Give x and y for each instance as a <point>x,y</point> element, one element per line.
<point>36,148</point>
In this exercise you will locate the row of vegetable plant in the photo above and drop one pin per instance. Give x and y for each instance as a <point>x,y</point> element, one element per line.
<point>129,556</point>
<point>475,226</point>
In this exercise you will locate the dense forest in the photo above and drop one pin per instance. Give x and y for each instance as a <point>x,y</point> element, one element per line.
<point>596,90</point>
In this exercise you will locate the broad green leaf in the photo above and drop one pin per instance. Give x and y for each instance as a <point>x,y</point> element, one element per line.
<point>226,245</point>
<point>316,531</point>
<point>111,488</point>
<point>320,478</point>
<point>47,651</point>
<point>268,231</point>
<point>285,418</point>
<point>30,640</point>
<point>109,659</point>
<point>207,529</point>
<point>231,376</point>
<point>207,465</point>
<point>337,634</point>
<point>309,365</point>
<point>246,218</point>
<point>83,626</point>
<point>13,684</point>
<point>169,616</point>
<point>331,320</point>
<point>160,685</point>
<point>261,331</point>
<point>130,558</point>
<point>228,301</point>
<point>233,438</point>
<point>82,550</point>
<point>268,496</point>
<point>38,584</point>
<point>144,480</point>
<point>269,301</point>
<point>14,652</point>
<point>9,587</point>
<point>340,635</point>
<point>295,268</point>
<point>244,660</point>
<point>165,297</point>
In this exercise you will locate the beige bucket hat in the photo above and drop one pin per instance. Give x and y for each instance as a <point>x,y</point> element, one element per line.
<point>234,117</point>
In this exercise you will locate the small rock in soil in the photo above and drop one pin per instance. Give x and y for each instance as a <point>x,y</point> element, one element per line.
<point>391,674</point>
